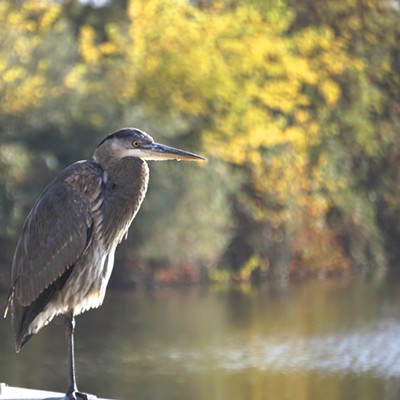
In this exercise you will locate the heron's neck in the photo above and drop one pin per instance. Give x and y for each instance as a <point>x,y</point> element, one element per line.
<point>126,182</point>
<point>129,173</point>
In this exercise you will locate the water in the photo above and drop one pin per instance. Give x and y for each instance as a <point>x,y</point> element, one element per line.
<point>316,340</point>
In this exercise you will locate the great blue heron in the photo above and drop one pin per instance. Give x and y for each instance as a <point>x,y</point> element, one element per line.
<point>65,254</point>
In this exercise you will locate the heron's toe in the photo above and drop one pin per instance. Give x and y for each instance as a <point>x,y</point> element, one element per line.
<point>79,396</point>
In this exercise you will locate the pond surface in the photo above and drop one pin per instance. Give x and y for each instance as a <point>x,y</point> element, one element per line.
<point>334,339</point>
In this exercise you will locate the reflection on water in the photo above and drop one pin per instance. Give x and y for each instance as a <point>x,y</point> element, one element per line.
<point>369,351</point>
<point>331,340</point>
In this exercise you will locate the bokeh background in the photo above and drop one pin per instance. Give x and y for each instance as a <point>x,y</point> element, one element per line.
<point>296,105</point>
<point>270,270</point>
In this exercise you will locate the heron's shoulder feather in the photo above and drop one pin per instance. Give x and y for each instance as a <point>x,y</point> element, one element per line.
<point>57,230</point>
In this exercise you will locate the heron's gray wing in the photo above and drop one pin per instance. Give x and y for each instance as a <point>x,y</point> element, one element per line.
<point>57,230</point>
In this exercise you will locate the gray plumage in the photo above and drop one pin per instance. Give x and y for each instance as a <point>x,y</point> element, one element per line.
<point>65,255</point>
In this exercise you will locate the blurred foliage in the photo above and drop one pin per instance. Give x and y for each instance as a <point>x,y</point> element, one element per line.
<point>296,104</point>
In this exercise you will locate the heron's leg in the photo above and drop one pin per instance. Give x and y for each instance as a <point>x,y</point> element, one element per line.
<point>73,393</point>
<point>69,333</point>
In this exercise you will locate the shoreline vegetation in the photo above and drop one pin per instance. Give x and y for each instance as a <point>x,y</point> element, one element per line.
<point>295,104</point>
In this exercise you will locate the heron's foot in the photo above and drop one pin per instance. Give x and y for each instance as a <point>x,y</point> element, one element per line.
<point>75,395</point>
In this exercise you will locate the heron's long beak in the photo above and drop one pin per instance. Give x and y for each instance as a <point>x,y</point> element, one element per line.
<point>157,151</point>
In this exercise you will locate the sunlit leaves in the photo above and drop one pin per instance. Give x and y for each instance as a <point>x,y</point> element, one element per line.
<point>288,97</point>
<point>23,75</point>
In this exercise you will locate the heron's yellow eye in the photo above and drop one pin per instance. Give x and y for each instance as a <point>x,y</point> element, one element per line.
<point>135,143</point>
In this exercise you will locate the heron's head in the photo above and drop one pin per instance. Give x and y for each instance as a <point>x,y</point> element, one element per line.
<point>132,142</point>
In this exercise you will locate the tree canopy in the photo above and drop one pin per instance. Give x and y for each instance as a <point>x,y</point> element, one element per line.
<point>296,105</point>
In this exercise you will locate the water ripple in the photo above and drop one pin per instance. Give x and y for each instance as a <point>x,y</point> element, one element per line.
<point>374,350</point>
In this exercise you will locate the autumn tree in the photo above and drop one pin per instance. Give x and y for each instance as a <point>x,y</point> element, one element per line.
<point>294,102</point>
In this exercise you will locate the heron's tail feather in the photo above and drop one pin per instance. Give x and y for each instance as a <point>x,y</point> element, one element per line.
<point>9,300</point>
<point>23,317</point>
